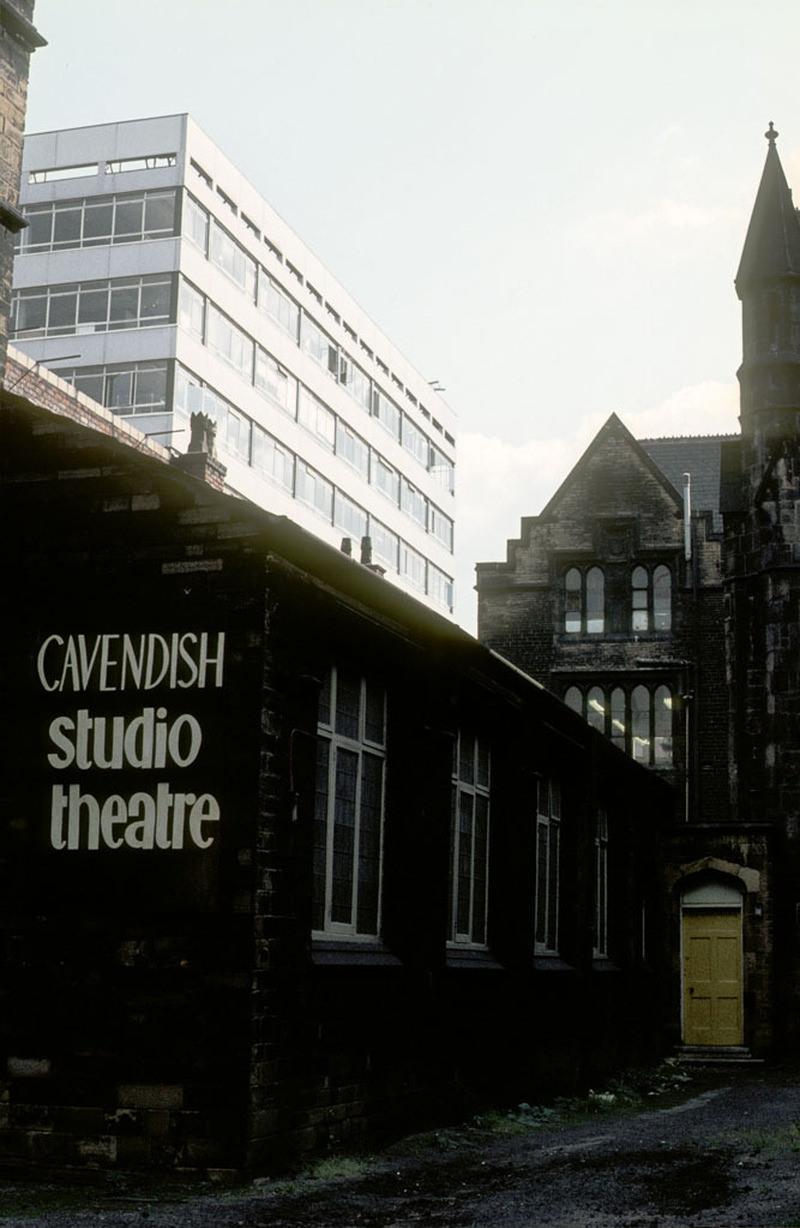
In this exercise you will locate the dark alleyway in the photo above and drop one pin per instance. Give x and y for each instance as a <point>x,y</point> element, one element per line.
<point>723,1151</point>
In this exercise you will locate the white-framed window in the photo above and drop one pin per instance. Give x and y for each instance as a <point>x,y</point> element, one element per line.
<point>548,865</point>
<point>413,503</point>
<point>272,459</point>
<point>316,418</point>
<point>413,566</point>
<point>314,490</point>
<point>415,441</point>
<point>440,526</point>
<point>277,304</point>
<point>440,587</point>
<point>385,544</point>
<point>442,468</point>
<point>322,348</point>
<point>275,381</point>
<point>600,938</point>
<point>230,256</point>
<point>228,342</point>
<point>385,478</point>
<point>352,449</point>
<point>387,413</point>
<point>349,806</point>
<point>469,841</point>
<point>348,517</point>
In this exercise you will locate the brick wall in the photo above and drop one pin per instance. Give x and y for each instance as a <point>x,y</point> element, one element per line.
<point>165,1006</point>
<point>17,40</point>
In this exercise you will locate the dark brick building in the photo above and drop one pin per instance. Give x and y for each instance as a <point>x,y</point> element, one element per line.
<point>287,857</point>
<point>666,611</point>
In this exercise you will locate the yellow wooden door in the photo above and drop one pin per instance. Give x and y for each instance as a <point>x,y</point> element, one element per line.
<point>712,978</point>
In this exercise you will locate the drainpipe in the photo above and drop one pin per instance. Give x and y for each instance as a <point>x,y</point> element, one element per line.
<point>688,696</point>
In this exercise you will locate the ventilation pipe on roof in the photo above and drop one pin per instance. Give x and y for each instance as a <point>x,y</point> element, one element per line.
<point>687,516</point>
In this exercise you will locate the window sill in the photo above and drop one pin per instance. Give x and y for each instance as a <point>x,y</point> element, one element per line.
<point>551,963</point>
<point>470,957</point>
<point>616,637</point>
<point>332,953</point>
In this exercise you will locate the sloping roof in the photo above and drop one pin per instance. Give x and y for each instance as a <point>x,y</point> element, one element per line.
<point>697,455</point>
<point>772,245</point>
<point>613,428</point>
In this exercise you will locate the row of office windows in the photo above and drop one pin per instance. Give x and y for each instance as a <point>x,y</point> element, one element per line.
<point>240,273</point>
<point>638,719</point>
<point>75,308</point>
<point>135,302</point>
<point>245,439</point>
<point>140,216</point>
<point>222,250</point>
<point>96,221</point>
<point>203,319</point>
<point>142,387</point>
<point>127,388</point>
<point>650,600</point>
<point>350,794</point>
<point>111,166</point>
<point>279,465</point>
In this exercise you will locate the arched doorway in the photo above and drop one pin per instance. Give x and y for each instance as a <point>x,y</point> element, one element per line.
<point>711,935</point>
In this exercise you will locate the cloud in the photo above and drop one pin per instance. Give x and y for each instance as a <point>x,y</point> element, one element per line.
<point>500,482</point>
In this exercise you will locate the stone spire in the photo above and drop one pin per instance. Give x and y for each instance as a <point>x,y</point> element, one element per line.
<point>768,284</point>
<point>772,245</point>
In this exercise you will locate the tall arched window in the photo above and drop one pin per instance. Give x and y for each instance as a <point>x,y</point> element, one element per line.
<point>574,699</point>
<point>651,599</point>
<point>640,593</point>
<point>618,724</point>
<point>662,726</point>
<point>595,601</point>
<point>596,708</point>
<point>584,601</point>
<point>662,598</point>
<point>573,601</point>
<point>640,724</point>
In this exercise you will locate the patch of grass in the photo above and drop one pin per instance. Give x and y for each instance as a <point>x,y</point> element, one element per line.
<point>770,1144</point>
<point>628,1090</point>
<point>338,1166</point>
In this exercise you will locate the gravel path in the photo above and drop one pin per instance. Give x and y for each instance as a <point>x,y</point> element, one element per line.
<point>725,1152</point>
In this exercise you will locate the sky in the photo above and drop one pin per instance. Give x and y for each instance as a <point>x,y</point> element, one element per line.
<point>541,202</point>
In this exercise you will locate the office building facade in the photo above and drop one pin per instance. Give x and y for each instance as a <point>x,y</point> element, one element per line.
<point>154,278</point>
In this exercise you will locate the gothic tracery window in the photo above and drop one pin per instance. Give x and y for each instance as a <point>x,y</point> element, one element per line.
<point>584,601</point>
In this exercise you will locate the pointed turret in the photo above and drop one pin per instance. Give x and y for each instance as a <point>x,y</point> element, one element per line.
<point>768,284</point>
<point>772,245</point>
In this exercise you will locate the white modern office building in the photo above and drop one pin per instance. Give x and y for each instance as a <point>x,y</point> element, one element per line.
<point>156,279</point>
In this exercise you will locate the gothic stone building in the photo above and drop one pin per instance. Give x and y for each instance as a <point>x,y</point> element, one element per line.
<point>658,593</point>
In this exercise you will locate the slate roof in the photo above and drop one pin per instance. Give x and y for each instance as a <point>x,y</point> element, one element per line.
<point>697,455</point>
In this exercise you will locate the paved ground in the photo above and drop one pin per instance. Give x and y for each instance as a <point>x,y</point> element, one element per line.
<point>724,1151</point>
